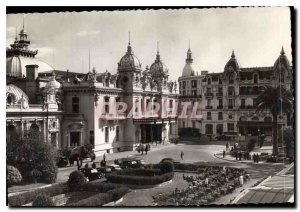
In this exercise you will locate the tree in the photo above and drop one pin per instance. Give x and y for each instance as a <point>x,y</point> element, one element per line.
<point>30,154</point>
<point>287,138</point>
<point>275,100</point>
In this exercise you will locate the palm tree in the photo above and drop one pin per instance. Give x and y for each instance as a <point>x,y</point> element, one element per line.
<point>275,99</point>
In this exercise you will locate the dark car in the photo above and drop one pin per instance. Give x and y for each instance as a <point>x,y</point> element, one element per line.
<point>92,174</point>
<point>130,163</point>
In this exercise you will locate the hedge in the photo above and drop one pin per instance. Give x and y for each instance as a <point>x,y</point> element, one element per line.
<point>101,198</point>
<point>98,186</point>
<point>30,196</point>
<point>43,201</point>
<point>119,177</point>
<point>13,175</point>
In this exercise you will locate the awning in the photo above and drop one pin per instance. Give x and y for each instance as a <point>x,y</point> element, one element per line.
<point>254,124</point>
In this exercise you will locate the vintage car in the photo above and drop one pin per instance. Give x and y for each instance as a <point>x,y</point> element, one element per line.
<point>130,163</point>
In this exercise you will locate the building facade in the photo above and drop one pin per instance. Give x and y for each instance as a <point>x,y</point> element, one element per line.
<point>84,108</point>
<point>227,98</point>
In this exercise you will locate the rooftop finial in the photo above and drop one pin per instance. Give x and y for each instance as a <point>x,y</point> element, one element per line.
<point>129,38</point>
<point>189,44</point>
<point>232,55</point>
<point>282,51</point>
<point>89,59</point>
<point>23,22</point>
<point>157,55</point>
<point>16,38</point>
<point>157,47</point>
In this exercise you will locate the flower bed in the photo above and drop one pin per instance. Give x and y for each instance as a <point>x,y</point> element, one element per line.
<point>139,177</point>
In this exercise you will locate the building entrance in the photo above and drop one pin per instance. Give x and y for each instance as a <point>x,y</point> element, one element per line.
<point>151,133</point>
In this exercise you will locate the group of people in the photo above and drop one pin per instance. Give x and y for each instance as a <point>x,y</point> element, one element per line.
<point>209,184</point>
<point>143,148</point>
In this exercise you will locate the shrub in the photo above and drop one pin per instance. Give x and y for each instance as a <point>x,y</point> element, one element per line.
<point>96,200</point>
<point>43,201</point>
<point>98,186</point>
<point>13,175</point>
<point>35,174</point>
<point>26,197</point>
<point>166,167</point>
<point>76,180</point>
<point>118,193</point>
<point>139,180</point>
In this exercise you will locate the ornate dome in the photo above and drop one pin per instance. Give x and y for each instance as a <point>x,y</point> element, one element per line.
<point>158,68</point>
<point>282,61</point>
<point>146,72</point>
<point>14,95</point>
<point>16,65</point>
<point>232,63</point>
<point>52,84</point>
<point>129,60</point>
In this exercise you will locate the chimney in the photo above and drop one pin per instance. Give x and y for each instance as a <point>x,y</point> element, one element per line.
<point>32,72</point>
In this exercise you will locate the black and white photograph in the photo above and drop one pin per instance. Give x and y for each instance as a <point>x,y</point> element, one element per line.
<point>150,107</point>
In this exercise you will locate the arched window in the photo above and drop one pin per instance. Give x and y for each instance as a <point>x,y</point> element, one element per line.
<point>231,78</point>
<point>255,118</point>
<point>34,132</point>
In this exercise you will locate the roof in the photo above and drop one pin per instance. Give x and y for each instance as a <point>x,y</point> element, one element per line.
<point>16,65</point>
<point>16,93</point>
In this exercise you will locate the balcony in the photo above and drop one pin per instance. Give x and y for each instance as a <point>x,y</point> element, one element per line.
<point>209,95</point>
<point>219,94</point>
<point>248,107</point>
<point>220,107</point>
<point>208,107</point>
<point>190,96</point>
<point>111,117</point>
<point>231,94</point>
<point>230,107</point>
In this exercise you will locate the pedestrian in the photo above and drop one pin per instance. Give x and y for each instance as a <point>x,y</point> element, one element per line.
<point>142,149</point>
<point>236,155</point>
<point>104,157</point>
<point>146,149</point>
<point>224,153</point>
<point>86,165</point>
<point>139,149</point>
<point>227,147</point>
<point>181,155</point>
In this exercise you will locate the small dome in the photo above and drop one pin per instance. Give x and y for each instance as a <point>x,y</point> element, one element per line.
<point>16,65</point>
<point>146,72</point>
<point>158,68</point>
<point>129,60</point>
<point>52,84</point>
<point>188,70</point>
<point>282,61</point>
<point>15,94</point>
<point>232,63</point>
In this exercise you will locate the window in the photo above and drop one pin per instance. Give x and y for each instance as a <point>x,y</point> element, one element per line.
<point>220,90</point>
<point>171,128</point>
<point>106,104</point>
<point>208,116</point>
<point>194,83</point>
<point>230,127</point>
<point>255,78</point>
<point>194,93</point>
<point>230,91</point>
<point>183,85</point>
<point>220,116</point>
<point>231,103</point>
<point>208,102</point>
<point>117,133</point>
<point>220,102</point>
<point>92,137</point>
<point>208,81</point>
<point>231,79</point>
<point>243,103</point>
<point>220,81</point>
<point>208,90</point>
<point>106,135</point>
<point>75,105</point>
<point>220,129</point>
<point>183,124</point>
<point>209,129</point>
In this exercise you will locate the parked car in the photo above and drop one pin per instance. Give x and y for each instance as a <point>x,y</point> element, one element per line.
<point>92,174</point>
<point>114,167</point>
<point>130,163</point>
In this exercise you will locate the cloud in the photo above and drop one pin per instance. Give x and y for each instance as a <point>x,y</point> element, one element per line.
<point>85,33</point>
<point>44,51</point>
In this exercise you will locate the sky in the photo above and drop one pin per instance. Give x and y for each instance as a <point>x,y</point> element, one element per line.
<point>64,39</point>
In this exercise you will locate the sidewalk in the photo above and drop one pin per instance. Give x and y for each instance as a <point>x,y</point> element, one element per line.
<point>228,157</point>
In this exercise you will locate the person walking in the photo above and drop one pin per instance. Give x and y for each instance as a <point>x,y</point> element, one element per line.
<point>142,149</point>
<point>146,149</point>
<point>241,179</point>
<point>181,155</point>
<point>224,153</point>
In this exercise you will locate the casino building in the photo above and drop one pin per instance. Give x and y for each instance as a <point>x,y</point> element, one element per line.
<point>227,98</point>
<point>68,109</point>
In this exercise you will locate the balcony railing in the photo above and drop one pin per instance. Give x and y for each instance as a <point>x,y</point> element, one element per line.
<point>219,107</point>
<point>231,94</point>
<point>219,94</point>
<point>208,107</point>
<point>209,94</point>
<point>190,96</point>
<point>230,107</point>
